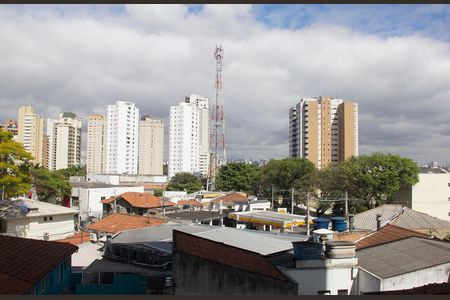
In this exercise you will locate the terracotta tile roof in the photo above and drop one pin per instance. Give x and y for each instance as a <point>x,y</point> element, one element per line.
<point>388,233</point>
<point>225,254</point>
<point>28,261</point>
<point>189,202</point>
<point>76,239</point>
<point>231,198</point>
<point>119,222</point>
<point>140,200</point>
<point>429,289</point>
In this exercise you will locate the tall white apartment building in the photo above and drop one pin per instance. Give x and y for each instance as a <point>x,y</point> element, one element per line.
<point>122,138</point>
<point>49,143</point>
<point>323,130</point>
<point>31,133</point>
<point>95,157</point>
<point>151,146</point>
<point>189,136</point>
<point>67,141</point>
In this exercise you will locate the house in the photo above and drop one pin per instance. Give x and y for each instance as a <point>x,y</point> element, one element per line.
<point>117,222</point>
<point>233,261</point>
<point>404,217</point>
<point>232,200</point>
<point>190,205</point>
<point>87,196</point>
<point>36,219</point>
<point>259,205</point>
<point>403,264</point>
<point>133,203</point>
<point>431,195</point>
<point>35,267</point>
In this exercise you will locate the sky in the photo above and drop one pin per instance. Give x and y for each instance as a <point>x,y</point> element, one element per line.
<point>393,60</point>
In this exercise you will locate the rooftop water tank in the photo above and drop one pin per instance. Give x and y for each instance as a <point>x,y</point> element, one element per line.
<point>321,223</point>
<point>319,233</point>
<point>307,250</point>
<point>339,249</point>
<point>339,223</point>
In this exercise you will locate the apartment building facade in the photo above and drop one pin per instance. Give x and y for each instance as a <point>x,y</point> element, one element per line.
<point>67,141</point>
<point>31,133</point>
<point>122,138</point>
<point>95,157</point>
<point>151,146</point>
<point>323,130</point>
<point>189,136</point>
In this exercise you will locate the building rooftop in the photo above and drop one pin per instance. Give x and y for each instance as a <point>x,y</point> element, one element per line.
<point>24,207</point>
<point>193,216</point>
<point>77,238</point>
<point>398,215</point>
<point>106,265</point>
<point>189,202</point>
<point>86,254</point>
<point>24,262</point>
<point>387,234</point>
<point>428,170</point>
<point>403,256</point>
<point>140,200</point>
<point>269,218</point>
<point>95,185</point>
<point>119,222</point>
<point>230,198</point>
<point>429,289</point>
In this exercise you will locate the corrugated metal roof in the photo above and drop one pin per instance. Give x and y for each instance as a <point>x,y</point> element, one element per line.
<point>398,215</point>
<point>403,256</point>
<point>367,219</point>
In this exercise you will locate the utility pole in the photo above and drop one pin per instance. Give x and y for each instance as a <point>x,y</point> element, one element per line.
<point>292,201</point>
<point>272,197</point>
<point>307,214</point>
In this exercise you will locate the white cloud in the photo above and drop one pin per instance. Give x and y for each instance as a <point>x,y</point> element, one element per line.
<point>154,55</point>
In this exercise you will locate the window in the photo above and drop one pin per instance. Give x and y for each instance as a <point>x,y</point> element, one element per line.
<point>342,292</point>
<point>106,277</point>
<point>327,292</point>
<point>50,218</point>
<point>45,219</point>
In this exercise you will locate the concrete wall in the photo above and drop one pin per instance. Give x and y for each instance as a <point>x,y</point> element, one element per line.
<point>108,179</point>
<point>367,282</point>
<point>35,227</point>
<point>194,275</point>
<point>312,280</point>
<point>437,274</point>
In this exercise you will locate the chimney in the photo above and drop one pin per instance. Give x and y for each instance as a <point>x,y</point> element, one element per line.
<point>378,221</point>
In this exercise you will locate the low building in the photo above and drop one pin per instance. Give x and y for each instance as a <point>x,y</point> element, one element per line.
<point>232,200</point>
<point>34,267</point>
<point>404,217</point>
<point>115,223</point>
<point>189,205</point>
<point>87,197</point>
<point>403,264</point>
<point>133,203</point>
<point>259,205</point>
<point>197,217</point>
<point>431,195</point>
<point>36,219</point>
<point>267,220</point>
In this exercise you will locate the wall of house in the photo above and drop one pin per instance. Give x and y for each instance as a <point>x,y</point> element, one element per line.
<point>431,195</point>
<point>313,280</point>
<point>89,199</point>
<point>56,282</point>
<point>35,227</point>
<point>367,282</point>
<point>259,206</point>
<point>194,275</point>
<point>437,274</point>
<point>122,285</point>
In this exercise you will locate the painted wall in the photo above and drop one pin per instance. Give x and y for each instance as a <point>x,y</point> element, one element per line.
<point>194,275</point>
<point>35,227</point>
<point>367,282</point>
<point>56,282</point>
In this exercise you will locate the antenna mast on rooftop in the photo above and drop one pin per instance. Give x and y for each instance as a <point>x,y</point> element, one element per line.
<point>217,136</point>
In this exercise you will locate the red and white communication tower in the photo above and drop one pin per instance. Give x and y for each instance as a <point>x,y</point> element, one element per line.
<point>217,137</point>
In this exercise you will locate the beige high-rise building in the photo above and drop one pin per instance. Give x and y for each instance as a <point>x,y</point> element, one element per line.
<point>95,160</point>
<point>31,133</point>
<point>67,139</point>
<point>323,130</point>
<point>151,146</point>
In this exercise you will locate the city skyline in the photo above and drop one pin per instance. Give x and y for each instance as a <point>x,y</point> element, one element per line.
<point>82,58</point>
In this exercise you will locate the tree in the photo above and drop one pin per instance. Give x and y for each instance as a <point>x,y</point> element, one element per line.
<point>15,165</point>
<point>73,171</point>
<point>184,182</point>
<point>50,185</point>
<point>238,176</point>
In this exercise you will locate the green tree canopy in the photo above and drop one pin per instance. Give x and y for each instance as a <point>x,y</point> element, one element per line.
<point>238,176</point>
<point>15,166</point>
<point>73,171</point>
<point>288,173</point>
<point>50,185</point>
<point>184,181</point>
